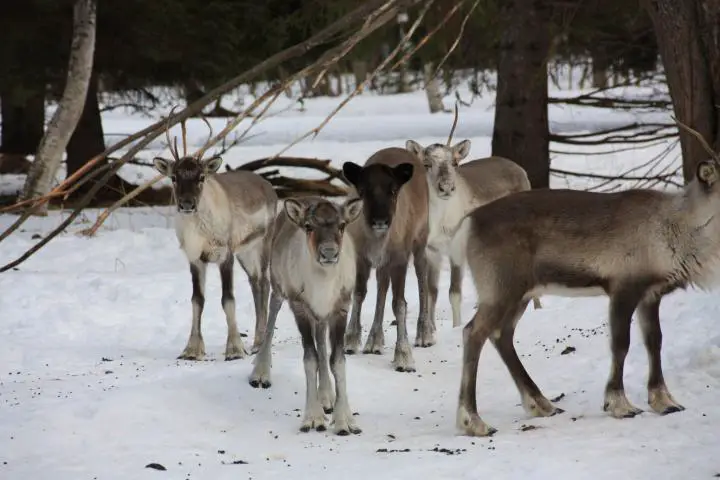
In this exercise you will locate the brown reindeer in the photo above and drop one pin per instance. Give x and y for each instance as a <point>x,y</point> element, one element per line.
<point>393,227</point>
<point>454,190</point>
<point>313,268</point>
<point>220,216</point>
<point>634,246</point>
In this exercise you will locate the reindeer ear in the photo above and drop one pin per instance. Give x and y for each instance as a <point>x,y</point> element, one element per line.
<point>415,148</point>
<point>352,209</point>
<point>707,172</point>
<point>163,165</point>
<point>403,173</point>
<point>461,150</point>
<point>295,211</point>
<point>211,165</point>
<point>351,172</point>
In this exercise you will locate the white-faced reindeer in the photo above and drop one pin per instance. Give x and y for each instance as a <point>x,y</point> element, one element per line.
<point>634,246</point>
<point>313,268</point>
<point>220,216</point>
<point>455,190</point>
<point>393,227</point>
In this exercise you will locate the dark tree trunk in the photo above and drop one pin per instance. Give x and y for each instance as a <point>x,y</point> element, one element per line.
<point>88,138</point>
<point>687,33</point>
<point>521,116</point>
<point>23,118</point>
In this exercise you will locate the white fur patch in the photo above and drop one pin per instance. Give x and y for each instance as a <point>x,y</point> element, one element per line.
<point>295,270</point>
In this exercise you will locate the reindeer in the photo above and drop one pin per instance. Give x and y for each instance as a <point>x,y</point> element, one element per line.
<point>219,216</point>
<point>393,227</point>
<point>455,190</point>
<point>634,246</point>
<point>313,268</point>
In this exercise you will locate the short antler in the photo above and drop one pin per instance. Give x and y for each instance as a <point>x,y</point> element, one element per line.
<point>173,151</point>
<point>452,130</point>
<point>714,155</point>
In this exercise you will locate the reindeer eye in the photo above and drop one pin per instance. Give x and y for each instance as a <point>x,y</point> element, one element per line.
<point>307,227</point>
<point>341,227</point>
<point>202,177</point>
<point>428,165</point>
<point>173,178</point>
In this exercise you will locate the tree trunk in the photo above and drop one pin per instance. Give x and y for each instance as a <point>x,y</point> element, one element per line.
<point>62,125</point>
<point>23,117</point>
<point>521,132</point>
<point>687,33</point>
<point>88,139</point>
<point>432,89</point>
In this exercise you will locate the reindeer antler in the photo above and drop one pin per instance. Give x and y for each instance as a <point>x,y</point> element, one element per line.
<point>206,145</point>
<point>714,155</point>
<point>173,152</point>
<point>452,130</point>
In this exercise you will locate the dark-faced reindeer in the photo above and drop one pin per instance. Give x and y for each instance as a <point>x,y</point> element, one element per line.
<point>455,190</point>
<point>634,246</point>
<point>312,267</point>
<point>392,228</point>
<point>220,216</point>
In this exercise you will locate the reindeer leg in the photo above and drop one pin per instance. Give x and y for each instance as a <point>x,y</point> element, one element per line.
<point>622,305</point>
<point>343,420</point>
<point>376,338</point>
<point>487,318</point>
<point>254,262</point>
<point>659,397</point>
<point>534,402</point>
<point>325,392</point>
<point>313,416</point>
<point>352,336</point>
<point>195,348</point>
<point>260,376</point>
<point>425,333</point>
<point>456,276</point>
<point>234,348</point>
<point>403,361</point>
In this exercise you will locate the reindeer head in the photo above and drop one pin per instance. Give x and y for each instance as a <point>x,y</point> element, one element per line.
<point>441,163</point>
<point>189,172</point>
<point>324,224</point>
<point>707,174</point>
<point>378,185</point>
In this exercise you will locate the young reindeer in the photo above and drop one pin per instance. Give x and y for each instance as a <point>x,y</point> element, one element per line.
<point>219,216</point>
<point>393,227</point>
<point>455,190</point>
<point>313,268</point>
<point>634,246</point>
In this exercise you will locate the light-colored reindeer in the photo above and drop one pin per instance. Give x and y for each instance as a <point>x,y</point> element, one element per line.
<point>634,246</point>
<point>313,269</point>
<point>220,216</point>
<point>454,191</point>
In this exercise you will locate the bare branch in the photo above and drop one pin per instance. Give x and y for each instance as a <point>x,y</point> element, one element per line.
<point>715,156</point>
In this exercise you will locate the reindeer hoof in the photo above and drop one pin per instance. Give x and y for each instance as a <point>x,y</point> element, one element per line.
<point>328,410</point>
<point>673,409</point>
<point>260,383</point>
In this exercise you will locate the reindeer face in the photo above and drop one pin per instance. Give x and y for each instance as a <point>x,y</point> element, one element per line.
<point>188,177</point>
<point>324,224</point>
<point>378,185</point>
<point>441,163</point>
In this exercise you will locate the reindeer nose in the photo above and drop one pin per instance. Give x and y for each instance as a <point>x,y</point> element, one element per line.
<point>186,205</point>
<point>446,188</point>
<point>380,224</point>
<point>329,252</point>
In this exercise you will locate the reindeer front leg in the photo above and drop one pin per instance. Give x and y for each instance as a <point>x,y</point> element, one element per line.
<point>195,348</point>
<point>234,348</point>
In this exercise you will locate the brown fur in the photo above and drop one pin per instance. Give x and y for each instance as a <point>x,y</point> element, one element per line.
<point>390,252</point>
<point>634,246</point>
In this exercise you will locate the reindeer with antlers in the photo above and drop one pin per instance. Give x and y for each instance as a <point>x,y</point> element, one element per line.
<point>453,191</point>
<point>221,216</point>
<point>634,246</point>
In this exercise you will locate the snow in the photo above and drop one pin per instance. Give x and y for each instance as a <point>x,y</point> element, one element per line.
<point>90,328</point>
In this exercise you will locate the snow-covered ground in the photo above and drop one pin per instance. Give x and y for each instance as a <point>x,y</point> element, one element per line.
<point>90,328</point>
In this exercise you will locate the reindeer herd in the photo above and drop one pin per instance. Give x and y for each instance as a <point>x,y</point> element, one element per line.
<point>420,203</point>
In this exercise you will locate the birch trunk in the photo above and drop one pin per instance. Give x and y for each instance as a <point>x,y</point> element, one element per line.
<point>432,89</point>
<point>64,120</point>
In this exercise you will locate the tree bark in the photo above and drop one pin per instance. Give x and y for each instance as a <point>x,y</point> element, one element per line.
<point>432,89</point>
<point>688,36</point>
<point>23,117</point>
<point>62,125</point>
<point>88,139</point>
<point>520,132</point>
